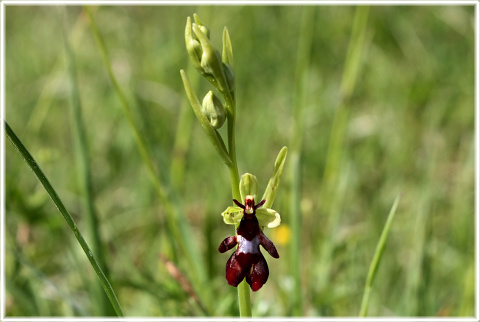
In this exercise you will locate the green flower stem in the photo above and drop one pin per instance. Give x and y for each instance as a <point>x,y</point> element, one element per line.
<point>243,288</point>
<point>244,300</point>
<point>212,134</point>
<point>376,259</point>
<point>244,303</point>
<point>66,215</point>
<point>216,76</point>
<point>233,168</point>
<point>235,180</point>
<point>231,116</point>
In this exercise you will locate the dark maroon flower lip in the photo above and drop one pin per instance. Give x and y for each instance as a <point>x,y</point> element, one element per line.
<point>247,261</point>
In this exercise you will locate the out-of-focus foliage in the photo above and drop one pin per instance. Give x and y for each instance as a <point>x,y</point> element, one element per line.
<point>410,130</point>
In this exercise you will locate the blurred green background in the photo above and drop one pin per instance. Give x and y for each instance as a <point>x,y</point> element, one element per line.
<point>408,129</point>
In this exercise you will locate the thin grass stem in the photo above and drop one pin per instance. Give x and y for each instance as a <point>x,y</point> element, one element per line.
<point>175,217</point>
<point>330,181</point>
<point>84,171</point>
<point>350,75</point>
<point>300,93</point>
<point>66,215</point>
<point>376,259</point>
<point>47,94</point>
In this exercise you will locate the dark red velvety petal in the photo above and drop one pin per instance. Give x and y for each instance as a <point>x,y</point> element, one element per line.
<point>228,243</point>
<point>259,273</point>
<point>238,266</point>
<point>268,245</point>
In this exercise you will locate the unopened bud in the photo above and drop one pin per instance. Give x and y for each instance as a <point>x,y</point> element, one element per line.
<point>211,62</point>
<point>203,28</point>
<point>214,110</point>
<point>194,48</point>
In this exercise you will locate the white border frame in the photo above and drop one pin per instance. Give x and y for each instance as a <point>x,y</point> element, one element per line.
<point>4,3</point>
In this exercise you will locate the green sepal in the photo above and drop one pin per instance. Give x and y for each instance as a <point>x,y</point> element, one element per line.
<point>232,215</point>
<point>268,217</point>
<point>248,186</point>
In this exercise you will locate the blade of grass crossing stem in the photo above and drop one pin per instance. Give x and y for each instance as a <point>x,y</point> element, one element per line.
<point>376,259</point>
<point>84,171</point>
<point>300,94</point>
<point>175,218</point>
<point>66,215</point>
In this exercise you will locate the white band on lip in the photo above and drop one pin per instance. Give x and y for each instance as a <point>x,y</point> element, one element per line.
<point>248,246</point>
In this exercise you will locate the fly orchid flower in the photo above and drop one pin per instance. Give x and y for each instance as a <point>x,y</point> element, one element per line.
<point>247,261</point>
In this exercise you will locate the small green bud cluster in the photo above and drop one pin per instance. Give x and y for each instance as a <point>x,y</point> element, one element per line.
<point>215,67</point>
<point>206,59</point>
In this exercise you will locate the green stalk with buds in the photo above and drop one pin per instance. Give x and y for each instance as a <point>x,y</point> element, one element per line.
<point>212,114</point>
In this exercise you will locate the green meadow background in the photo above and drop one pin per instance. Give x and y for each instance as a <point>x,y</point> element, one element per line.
<point>386,109</point>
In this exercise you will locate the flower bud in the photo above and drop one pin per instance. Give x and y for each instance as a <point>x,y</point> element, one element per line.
<point>194,48</point>
<point>214,110</point>
<point>211,61</point>
<point>248,186</point>
<point>203,28</point>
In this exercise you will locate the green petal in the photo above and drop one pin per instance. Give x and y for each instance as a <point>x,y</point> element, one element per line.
<point>268,217</point>
<point>232,215</point>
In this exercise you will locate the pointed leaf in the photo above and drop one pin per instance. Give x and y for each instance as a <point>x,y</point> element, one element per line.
<point>227,52</point>
<point>274,181</point>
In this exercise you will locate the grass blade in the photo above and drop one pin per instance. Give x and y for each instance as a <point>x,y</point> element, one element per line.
<point>174,216</point>
<point>376,259</point>
<point>333,163</point>
<point>84,170</point>
<point>66,215</point>
<point>55,79</point>
<point>300,95</point>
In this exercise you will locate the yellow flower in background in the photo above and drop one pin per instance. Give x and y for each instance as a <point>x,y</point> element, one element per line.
<point>282,235</point>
